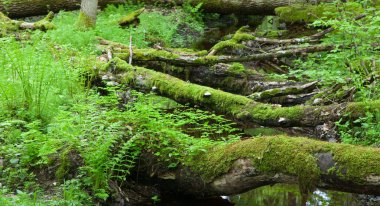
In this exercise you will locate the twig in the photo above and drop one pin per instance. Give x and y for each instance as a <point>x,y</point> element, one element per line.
<point>130,50</point>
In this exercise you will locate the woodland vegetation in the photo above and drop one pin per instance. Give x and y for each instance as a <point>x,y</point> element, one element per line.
<point>116,102</point>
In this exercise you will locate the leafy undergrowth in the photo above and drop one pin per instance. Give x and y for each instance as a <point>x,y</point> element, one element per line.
<point>156,26</point>
<point>355,63</point>
<point>108,141</point>
<point>60,143</point>
<point>356,58</point>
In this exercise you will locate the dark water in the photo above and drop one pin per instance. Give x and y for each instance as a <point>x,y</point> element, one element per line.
<point>288,195</point>
<point>278,195</point>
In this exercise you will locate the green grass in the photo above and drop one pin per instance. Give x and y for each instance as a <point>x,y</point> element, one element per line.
<point>35,79</point>
<point>155,27</point>
<point>48,114</point>
<point>47,111</point>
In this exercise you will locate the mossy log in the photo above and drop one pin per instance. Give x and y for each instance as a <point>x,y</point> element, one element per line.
<point>236,106</point>
<point>23,8</point>
<point>252,7</point>
<point>199,60</point>
<point>235,78</point>
<point>131,18</point>
<point>244,165</point>
<point>271,93</point>
<point>291,99</point>
<point>8,25</point>
<point>243,38</point>
<point>301,13</point>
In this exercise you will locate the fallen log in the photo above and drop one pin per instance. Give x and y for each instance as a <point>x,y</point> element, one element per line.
<point>243,35</point>
<point>8,25</point>
<point>301,13</point>
<point>244,165</point>
<point>235,78</point>
<point>193,60</point>
<point>252,7</point>
<point>132,18</point>
<point>239,107</point>
<point>23,8</point>
<point>271,93</point>
<point>291,99</point>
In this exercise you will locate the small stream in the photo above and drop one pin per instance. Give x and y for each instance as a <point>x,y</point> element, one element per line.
<point>277,195</point>
<point>288,195</point>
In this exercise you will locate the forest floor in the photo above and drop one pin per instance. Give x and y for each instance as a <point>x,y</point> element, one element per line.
<point>69,138</point>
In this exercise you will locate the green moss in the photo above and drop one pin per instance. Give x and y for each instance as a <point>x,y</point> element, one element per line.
<point>308,13</point>
<point>358,109</point>
<point>45,23</point>
<point>276,92</point>
<point>264,112</point>
<point>130,18</point>
<point>273,33</point>
<point>151,54</point>
<point>206,60</point>
<point>231,43</point>
<point>187,51</point>
<point>235,41</point>
<point>263,131</point>
<point>84,21</point>
<point>293,156</point>
<point>7,25</point>
<point>236,68</point>
<point>235,105</point>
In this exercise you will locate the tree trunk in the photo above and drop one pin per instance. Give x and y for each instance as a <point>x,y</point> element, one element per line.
<point>87,14</point>
<point>252,7</point>
<point>237,106</point>
<point>248,164</point>
<point>23,8</point>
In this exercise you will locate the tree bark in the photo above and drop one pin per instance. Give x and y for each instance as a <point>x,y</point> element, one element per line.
<point>248,164</point>
<point>23,8</point>
<point>87,14</point>
<point>239,107</point>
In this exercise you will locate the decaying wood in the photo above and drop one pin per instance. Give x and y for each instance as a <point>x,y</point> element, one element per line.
<point>336,94</point>
<point>243,38</point>
<point>248,164</point>
<point>291,99</point>
<point>193,60</point>
<point>131,18</point>
<point>24,8</point>
<point>271,93</point>
<point>236,106</point>
<point>252,7</point>
<point>9,25</point>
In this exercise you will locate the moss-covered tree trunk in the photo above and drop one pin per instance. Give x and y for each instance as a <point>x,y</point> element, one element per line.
<point>8,26</point>
<point>87,14</point>
<point>22,8</point>
<point>248,164</point>
<point>253,7</point>
<point>237,106</point>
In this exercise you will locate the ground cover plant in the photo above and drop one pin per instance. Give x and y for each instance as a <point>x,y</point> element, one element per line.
<point>69,137</point>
